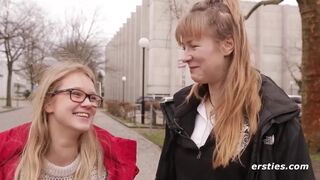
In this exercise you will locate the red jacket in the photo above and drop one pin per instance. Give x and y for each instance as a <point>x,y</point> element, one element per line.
<point>119,154</point>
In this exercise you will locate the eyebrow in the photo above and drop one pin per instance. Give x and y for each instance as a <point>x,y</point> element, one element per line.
<point>78,88</point>
<point>190,41</point>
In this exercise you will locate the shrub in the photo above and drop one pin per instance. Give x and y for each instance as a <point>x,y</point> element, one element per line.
<point>119,109</point>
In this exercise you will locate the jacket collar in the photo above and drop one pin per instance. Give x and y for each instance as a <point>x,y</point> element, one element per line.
<point>182,105</point>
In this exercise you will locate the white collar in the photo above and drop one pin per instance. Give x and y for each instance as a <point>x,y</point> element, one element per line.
<point>54,170</point>
<point>202,110</point>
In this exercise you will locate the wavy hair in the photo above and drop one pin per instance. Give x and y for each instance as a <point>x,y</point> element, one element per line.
<point>240,100</point>
<point>29,167</point>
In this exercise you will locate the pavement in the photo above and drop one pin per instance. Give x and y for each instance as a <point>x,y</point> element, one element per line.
<point>147,153</point>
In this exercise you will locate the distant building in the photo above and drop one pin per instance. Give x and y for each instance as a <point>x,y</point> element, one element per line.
<point>274,33</point>
<point>18,84</point>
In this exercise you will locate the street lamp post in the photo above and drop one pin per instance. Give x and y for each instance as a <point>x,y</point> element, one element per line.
<point>101,75</point>
<point>144,43</point>
<point>123,83</point>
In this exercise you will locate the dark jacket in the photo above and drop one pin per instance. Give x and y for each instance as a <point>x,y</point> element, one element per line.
<point>279,138</point>
<point>119,154</point>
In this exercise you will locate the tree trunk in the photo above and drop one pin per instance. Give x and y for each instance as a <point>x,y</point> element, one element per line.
<point>310,17</point>
<point>9,102</point>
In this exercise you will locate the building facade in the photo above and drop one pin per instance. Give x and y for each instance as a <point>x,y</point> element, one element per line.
<point>18,84</point>
<point>274,34</point>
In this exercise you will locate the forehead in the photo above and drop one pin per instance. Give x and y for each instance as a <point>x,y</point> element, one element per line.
<point>77,80</point>
<point>192,26</point>
<point>203,39</point>
<point>190,36</point>
<point>187,40</point>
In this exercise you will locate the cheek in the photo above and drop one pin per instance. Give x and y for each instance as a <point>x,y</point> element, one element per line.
<point>64,107</point>
<point>94,111</point>
<point>216,60</point>
<point>213,66</point>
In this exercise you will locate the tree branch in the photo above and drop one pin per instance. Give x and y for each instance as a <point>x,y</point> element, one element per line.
<point>264,3</point>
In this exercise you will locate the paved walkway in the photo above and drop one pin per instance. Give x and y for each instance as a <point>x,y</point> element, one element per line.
<point>148,153</point>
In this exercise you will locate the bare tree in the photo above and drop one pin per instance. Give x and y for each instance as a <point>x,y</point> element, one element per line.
<point>262,3</point>
<point>15,22</point>
<point>80,42</point>
<point>292,68</point>
<point>37,47</point>
<point>310,69</point>
<point>177,8</point>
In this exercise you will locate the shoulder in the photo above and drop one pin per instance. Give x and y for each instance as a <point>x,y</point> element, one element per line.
<point>12,143</point>
<point>14,138</point>
<point>275,102</point>
<point>180,97</point>
<point>119,154</point>
<point>182,93</point>
<point>181,104</point>
<point>23,128</point>
<point>272,93</point>
<point>107,138</point>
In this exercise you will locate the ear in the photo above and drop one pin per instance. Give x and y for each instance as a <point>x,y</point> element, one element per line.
<point>227,46</point>
<point>48,107</point>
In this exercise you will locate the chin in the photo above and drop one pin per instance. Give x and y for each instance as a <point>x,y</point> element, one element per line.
<point>197,79</point>
<point>82,128</point>
<point>83,125</point>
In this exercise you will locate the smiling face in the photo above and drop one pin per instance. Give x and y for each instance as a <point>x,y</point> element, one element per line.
<point>205,58</point>
<point>65,114</point>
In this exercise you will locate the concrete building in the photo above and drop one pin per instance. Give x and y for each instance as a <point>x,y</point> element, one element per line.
<point>274,33</point>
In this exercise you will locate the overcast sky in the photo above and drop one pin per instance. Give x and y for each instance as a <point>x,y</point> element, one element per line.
<point>112,13</point>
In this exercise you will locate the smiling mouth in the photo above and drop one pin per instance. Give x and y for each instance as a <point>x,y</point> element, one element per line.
<point>82,114</point>
<point>193,67</point>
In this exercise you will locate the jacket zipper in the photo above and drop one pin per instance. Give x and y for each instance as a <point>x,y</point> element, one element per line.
<point>199,154</point>
<point>186,135</point>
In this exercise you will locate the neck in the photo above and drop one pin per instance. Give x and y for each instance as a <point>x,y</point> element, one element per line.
<point>62,152</point>
<point>64,145</point>
<point>215,91</point>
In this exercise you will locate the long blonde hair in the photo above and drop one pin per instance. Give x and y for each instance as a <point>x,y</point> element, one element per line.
<point>240,100</point>
<point>29,167</point>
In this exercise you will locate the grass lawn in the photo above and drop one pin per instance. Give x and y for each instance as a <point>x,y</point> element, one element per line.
<point>154,135</point>
<point>315,157</point>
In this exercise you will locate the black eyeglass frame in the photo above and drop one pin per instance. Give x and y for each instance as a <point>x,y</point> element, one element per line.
<point>89,96</point>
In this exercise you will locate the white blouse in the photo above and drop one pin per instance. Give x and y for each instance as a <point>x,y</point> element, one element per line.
<point>203,126</point>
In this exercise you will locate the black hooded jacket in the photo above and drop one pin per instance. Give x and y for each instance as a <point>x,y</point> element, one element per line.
<point>276,147</point>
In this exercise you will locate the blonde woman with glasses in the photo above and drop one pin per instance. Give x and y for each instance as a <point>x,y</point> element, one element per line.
<point>61,142</point>
<point>233,123</point>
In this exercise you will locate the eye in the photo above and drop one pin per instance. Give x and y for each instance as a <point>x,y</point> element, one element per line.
<point>94,98</point>
<point>77,93</point>
<point>193,46</point>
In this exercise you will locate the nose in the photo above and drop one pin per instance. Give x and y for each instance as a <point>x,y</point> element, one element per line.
<point>186,57</point>
<point>86,102</point>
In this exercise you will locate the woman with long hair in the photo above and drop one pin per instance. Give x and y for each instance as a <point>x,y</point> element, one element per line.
<point>233,122</point>
<point>61,142</point>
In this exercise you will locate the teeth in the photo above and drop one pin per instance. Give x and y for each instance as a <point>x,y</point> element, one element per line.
<point>82,114</point>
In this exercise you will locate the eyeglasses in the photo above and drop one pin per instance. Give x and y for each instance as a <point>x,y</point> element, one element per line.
<point>80,96</point>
